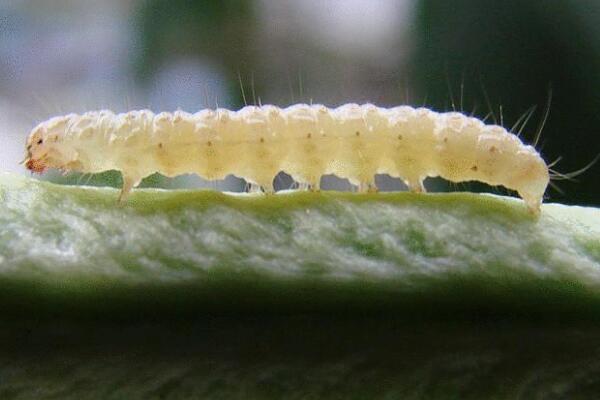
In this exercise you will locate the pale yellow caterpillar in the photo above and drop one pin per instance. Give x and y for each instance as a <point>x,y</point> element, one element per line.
<point>305,141</point>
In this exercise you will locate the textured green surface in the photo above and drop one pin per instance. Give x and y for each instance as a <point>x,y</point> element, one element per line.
<point>298,295</point>
<point>74,249</point>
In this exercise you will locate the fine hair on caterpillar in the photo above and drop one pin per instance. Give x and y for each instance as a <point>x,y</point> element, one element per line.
<point>305,141</point>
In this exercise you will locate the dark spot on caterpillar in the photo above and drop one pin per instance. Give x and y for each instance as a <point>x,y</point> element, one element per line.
<point>493,149</point>
<point>474,168</point>
<point>262,140</point>
<point>160,145</point>
<point>399,137</point>
<point>308,136</point>
<point>40,141</point>
<point>29,147</point>
<point>357,133</point>
<point>445,140</point>
<point>209,143</point>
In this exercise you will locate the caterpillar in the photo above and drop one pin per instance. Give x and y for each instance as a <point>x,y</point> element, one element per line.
<point>305,141</point>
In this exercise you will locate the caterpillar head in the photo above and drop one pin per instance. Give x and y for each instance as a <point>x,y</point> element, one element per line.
<point>43,146</point>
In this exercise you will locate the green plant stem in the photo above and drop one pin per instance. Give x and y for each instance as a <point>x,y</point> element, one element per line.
<point>74,251</point>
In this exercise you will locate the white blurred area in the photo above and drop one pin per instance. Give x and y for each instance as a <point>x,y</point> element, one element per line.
<point>58,57</point>
<point>65,56</point>
<point>13,124</point>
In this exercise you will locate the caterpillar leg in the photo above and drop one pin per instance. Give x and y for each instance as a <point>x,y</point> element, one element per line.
<point>253,187</point>
<point>367,187</point>
<point>266,188</point>
<point>415,186</point>
<point>128,184</point>
<point>304,186</point>
<point>313,186</point>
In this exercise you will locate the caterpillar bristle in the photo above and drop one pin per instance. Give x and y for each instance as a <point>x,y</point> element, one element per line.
<point>569,176</point>
<point>542,123</point>
<point>523,120</point>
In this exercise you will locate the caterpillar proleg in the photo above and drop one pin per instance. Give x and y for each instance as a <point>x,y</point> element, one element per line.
<point>306,141</point>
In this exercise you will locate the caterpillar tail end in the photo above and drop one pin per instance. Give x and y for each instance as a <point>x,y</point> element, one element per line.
<point>534,205</point>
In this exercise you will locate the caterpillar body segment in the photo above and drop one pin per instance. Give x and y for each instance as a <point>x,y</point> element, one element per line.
<point>306,141</point>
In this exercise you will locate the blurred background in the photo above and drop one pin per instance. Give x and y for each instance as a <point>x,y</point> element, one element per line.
<point>495,59</point>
